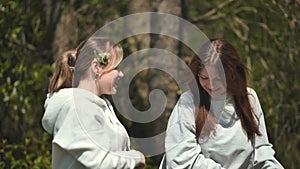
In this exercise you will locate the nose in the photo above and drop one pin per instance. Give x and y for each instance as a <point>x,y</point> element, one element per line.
<point>213,83</point>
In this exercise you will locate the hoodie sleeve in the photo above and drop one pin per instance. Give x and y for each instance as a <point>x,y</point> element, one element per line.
<point>264,153</point>
<point>182,148</point>
<point>87,138</point>
<point>92,156</point>
<point>49,114</point>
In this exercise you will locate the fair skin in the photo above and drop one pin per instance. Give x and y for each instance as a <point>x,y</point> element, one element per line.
<point>105,83</point>
<point>108,82</point>
<point>211,82</point>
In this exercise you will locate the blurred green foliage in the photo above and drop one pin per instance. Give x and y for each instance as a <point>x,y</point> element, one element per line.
<point>25,154</point>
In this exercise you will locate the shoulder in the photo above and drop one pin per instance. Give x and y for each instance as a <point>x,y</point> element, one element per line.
<point>87,103</point>
<point>63,94</point>
<point>186,99</point>
<point>252,95</point>
<point>183,110</point>
<point>254,101</point>
<point>59,97</point>
<point>251,91</point>
<point>86,96</point>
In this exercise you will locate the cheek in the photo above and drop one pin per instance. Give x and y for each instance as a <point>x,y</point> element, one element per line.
<point>220,84</point>
<point>202,83</point>
<point>106,80</point>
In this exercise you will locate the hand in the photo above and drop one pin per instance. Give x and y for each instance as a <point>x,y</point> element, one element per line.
<point>142,164</point>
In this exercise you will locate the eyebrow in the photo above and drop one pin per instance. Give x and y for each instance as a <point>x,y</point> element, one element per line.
<point>202,74</point>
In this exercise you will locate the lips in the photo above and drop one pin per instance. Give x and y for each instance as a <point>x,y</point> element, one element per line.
<point>214,90</point>
<point>116,82</point>
<point>115,86</point>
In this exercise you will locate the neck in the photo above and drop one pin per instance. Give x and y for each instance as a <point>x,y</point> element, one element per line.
<point>89,85</point>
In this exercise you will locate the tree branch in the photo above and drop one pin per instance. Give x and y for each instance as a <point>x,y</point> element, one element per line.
<point>209,14</point>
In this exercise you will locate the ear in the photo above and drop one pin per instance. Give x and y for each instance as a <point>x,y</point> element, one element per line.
<point>96,67</point>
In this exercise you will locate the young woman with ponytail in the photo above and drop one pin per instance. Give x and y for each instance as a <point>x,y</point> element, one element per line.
<point>86,131</point>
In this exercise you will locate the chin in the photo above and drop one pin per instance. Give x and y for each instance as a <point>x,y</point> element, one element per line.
<point>217,95</point>
<point>113,91</point>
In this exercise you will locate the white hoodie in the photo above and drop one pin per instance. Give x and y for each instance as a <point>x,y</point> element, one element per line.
<point>229,147</point>
<point>87,133</point>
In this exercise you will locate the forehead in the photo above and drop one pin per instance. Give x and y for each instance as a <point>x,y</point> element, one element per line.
<point>209,70</point>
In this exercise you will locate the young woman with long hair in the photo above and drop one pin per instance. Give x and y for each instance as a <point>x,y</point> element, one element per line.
<point>219,123</point>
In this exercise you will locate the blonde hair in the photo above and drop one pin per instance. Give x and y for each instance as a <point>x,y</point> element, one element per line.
<point>116,52</point>
<point>85,55</point>
<point>63,73</point>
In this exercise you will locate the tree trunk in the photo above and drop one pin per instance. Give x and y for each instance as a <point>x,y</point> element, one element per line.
<point>159,79</point>
<point>156,79</point>
<point>62,24</point>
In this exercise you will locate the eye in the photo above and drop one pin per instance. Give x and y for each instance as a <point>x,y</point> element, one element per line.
<point>203,77</point>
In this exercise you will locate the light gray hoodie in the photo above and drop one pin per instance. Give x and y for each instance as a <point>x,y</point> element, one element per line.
<point>86,132</point>
<point>229,147</point>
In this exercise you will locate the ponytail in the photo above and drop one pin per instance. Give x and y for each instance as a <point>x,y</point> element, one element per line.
<point>63,74</point>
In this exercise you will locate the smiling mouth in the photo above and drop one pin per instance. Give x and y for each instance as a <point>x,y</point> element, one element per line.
<point>214,90</point>
<point>115,85</point>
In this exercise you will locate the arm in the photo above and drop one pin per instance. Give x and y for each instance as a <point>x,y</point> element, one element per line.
<point>93,148</point>
<point>182,149</point>
<point>264,153</point>
<point>94,157</point>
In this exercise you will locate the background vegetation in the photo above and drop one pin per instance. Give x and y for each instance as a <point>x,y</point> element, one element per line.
<point>33,33</point>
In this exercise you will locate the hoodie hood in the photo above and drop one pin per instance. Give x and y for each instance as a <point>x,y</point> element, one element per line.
<point>54,105</point>
<point>58,105</point>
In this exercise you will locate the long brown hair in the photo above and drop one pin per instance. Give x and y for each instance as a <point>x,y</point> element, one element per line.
<point>236,86</point>
<point>63,73</point>
<point>85,53</point>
